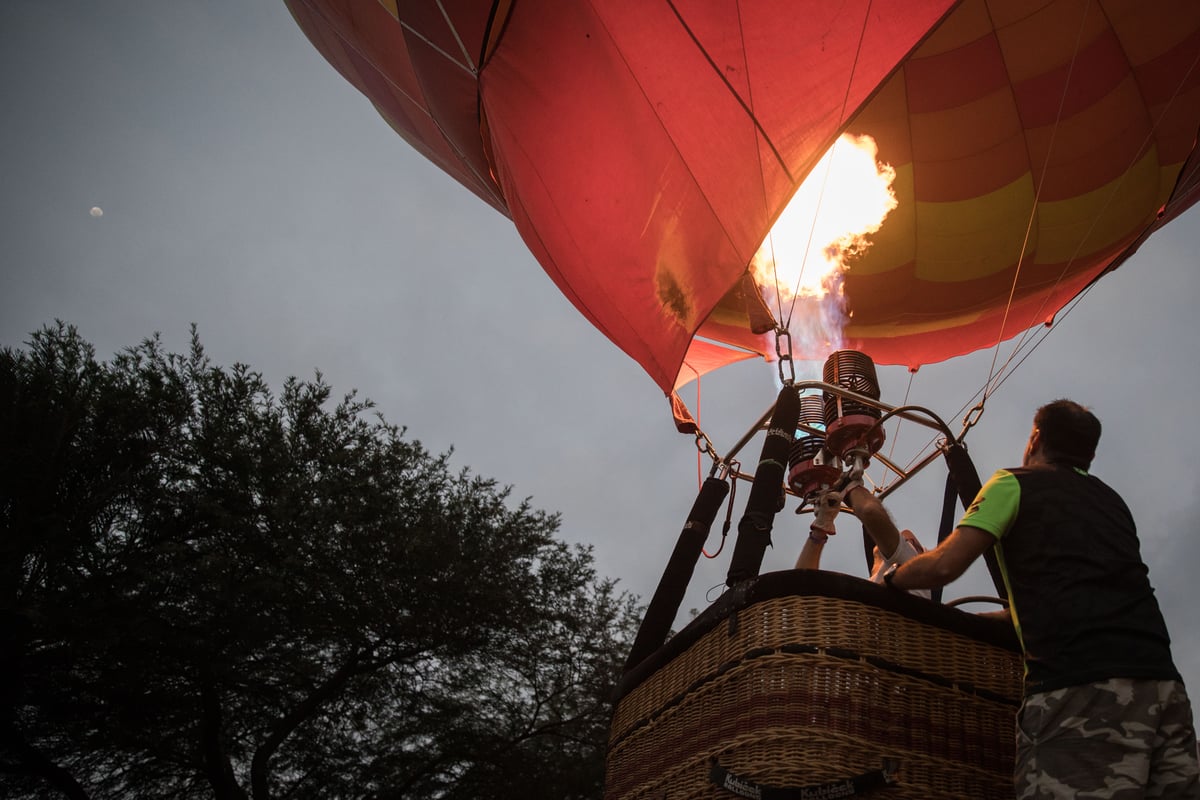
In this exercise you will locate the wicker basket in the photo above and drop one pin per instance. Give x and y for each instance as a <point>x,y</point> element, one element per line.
<point>799,679</point>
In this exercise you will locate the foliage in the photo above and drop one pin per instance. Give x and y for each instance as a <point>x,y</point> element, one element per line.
<point>210,591</point>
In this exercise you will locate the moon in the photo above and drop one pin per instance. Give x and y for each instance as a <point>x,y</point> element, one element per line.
<point>97,211</point>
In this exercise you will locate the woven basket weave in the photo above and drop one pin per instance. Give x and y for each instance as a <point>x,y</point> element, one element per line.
<point>804,678</point>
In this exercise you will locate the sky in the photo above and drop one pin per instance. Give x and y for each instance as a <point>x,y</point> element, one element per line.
<point>247,188</point>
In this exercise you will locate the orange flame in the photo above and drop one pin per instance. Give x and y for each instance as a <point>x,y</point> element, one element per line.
<point>844,200</point>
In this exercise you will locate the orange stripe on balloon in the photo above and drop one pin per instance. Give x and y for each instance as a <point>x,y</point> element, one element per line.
<point>955,78</point>
<point>1040,40</point>
<point>1149,30</point>
<point>971,20</point>
<point>1091,149</point>
<point>1072,88</point>
<point>1172,102</point>
<point>967,151</point>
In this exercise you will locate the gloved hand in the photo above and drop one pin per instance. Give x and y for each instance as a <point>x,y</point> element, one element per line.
<point>826,508</point>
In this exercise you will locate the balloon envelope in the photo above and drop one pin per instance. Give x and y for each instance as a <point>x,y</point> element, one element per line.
<point>644,148</point>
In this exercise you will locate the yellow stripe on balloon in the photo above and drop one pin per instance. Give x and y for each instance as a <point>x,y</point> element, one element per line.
<point>1097,220</point>
<point>986,238</point>
<point>895,329</point>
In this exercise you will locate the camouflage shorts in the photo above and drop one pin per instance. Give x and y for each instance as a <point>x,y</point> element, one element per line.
<point>1117,739</point>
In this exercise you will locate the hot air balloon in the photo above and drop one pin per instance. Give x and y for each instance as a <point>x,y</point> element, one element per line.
<point>644,149</point>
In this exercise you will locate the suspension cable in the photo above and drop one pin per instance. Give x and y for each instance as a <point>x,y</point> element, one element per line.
<point>912,373</point>
<point>828,169</point>
<point>1022,348</point>
<point>1037,195</point>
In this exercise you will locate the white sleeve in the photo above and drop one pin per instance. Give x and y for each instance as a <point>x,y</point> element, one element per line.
<point>904,552</point>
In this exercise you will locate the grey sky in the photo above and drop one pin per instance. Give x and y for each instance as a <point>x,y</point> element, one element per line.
<point>247,188</point>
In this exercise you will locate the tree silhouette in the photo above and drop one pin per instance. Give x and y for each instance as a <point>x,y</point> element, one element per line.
<point>210,591</point>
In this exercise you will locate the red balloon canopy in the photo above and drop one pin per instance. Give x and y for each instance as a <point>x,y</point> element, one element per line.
<point>645,148</point>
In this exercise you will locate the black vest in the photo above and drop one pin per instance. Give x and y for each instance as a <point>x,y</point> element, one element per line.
<point>1080,588</point>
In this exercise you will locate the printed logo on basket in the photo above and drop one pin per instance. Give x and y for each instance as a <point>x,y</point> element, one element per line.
<point>742,788</point>
<point>829,791</point>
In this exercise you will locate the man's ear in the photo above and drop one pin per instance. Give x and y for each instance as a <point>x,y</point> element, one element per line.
<point>1032,446</point>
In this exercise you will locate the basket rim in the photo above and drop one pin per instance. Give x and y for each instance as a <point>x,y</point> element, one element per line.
<point>805,582</point>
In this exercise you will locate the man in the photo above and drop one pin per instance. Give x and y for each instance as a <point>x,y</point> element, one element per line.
<point>900,545</point>
<point>1105,712</point>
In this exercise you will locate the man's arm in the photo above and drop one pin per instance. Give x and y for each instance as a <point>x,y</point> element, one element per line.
<point>944,563</point>
<point>810,554</point>
<point>825,509</point>
<point>875,519</point>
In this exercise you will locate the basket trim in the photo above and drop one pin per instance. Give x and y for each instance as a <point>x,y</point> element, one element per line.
<point>914,764</point>
<point>837,653</point>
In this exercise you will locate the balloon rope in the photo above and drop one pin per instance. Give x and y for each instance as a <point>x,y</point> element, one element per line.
<point>1111,196</point>
<point>1012,291</point>
<point>998,379</point>
<point>775,278</point>
<point>1043,333</point>
<point>699,455</point>
<point>828,169</point>
<point>812,229</point>
<point>1005,375</point>
<point>912,373</point>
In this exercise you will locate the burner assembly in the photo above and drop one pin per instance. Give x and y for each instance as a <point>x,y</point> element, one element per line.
<point>838,430</point>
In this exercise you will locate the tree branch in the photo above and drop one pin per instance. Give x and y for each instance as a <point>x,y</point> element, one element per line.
<point>306,708</point>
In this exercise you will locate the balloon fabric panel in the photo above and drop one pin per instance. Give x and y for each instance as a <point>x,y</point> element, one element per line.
<point>644,148</point>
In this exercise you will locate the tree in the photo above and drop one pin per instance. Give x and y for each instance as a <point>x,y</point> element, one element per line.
<point>210,591</point>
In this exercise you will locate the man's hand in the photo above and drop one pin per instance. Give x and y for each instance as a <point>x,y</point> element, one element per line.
<point>1002,613</point>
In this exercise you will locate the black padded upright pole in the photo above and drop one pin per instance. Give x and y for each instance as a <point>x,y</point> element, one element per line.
<point>949,505</point>
<point>754,529</point>
<point>967,483</point>
<point>664,606</point>
<point>963,473</point>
